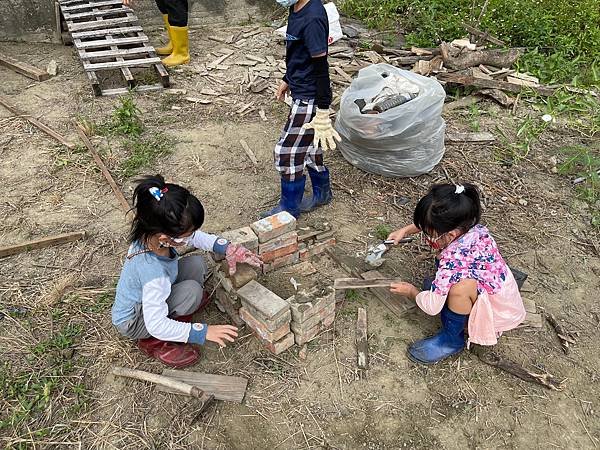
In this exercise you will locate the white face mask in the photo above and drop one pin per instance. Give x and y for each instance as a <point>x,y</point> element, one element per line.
<point>181,241</point>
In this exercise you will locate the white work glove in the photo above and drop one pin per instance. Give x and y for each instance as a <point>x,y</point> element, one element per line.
<point>324,132</point>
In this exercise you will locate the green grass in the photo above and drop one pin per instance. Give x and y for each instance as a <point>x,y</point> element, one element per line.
<point>563,39</point>
<point>144,151</point>
<point>584,162</point>
<point>382,231</point>
<point>125,119</point>
<point>28,395</point>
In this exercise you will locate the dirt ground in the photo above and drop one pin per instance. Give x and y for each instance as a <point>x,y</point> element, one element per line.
<point>55,303</point>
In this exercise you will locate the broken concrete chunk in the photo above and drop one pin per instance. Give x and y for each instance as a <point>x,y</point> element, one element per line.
<point>244,274</point>
<point>268,304</point>
<point>273,226</point>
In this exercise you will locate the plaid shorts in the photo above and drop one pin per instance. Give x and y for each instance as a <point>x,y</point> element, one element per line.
<point>295,150</point>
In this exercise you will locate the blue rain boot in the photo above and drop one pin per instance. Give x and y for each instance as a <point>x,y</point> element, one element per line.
<point>291,196</point>
<point>321,191</point>
<point>449,341</point>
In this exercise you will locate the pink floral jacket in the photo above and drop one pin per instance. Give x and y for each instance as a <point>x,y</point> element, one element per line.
<point>499,306</point>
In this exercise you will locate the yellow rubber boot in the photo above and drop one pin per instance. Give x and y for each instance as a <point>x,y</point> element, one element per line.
<point>181,47</point>
<point>167,49</point>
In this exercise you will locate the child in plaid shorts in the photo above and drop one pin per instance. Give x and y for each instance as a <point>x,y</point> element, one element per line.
<point>308,130</point>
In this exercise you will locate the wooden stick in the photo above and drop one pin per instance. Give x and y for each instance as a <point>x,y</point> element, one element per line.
<point>249,152</point>
<point>179,386</point>
<point>483,35</point>
<point>23,68</point>
<point>565,336</point>
<point>357,283</point>
<point>362,344</point>
<point>468,80</point>
<point>41,243</point>
<point>45,128</point>
<point>120,197</point>
<point>493,359</point>
<point>482,136</point>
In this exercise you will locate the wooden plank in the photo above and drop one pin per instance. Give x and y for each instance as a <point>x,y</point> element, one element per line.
<point>119,64</point>
<point>98,24</point>
<point>23,68</point>
<point>123,90</point>
<point>468,80</point>
<point>98,13</point>
<point>120,197</point>
<point>106,31</point>
<point>41,243</point>
<point>357,283</point>
<point>163,74</point>
<point>397,304</point>
<point>224,388</point>
<point>115,52</point>
<point>89,5</point>
<point>249,152</point>
<point>362,343</point>
<point>482,136</point>
<point>45,128</point>
<point>100,43</point>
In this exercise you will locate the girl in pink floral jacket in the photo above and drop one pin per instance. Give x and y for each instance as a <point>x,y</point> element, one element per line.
<point>472,284</point>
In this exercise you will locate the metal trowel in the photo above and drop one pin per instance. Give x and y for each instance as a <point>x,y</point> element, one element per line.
<point>375,253</point>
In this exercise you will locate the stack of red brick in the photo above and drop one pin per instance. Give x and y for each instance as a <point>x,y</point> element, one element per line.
<point>268,315</point>
<point>311,313</point>
<point>277,241</point>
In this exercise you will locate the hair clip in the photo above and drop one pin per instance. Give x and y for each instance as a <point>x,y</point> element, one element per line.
<point>163,190</point>
<point>156,193</point>
<point>459,189</point>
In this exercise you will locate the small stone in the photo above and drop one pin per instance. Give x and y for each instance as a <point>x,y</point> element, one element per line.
<point>303,353</point>
<point>52,68</point>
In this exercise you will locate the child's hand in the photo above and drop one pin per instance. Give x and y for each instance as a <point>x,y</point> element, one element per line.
<point>397,236</point>
<point>221,333</point>
<point>405,289</point>
<point>238,254</point>
<point>282,89</point>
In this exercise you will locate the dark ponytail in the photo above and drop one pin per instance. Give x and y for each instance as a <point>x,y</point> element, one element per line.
<point>177,212</point>
<point>444,208</point>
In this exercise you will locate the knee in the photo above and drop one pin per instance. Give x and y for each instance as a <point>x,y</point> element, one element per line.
<point>193,293</point>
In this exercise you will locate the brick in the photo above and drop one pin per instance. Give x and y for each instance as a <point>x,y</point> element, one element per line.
<point>302,311</point>
<point>280,346</point>
<point>261,329</point>
<point>244,273</point>
<point>316,249</point>
<point>287,260</point>
<point>303,338</point>
<point>265,302</point>
<point>279,253</point>
<point>301,327</point>
<point>242,236</point>
<point>271,324</point>
<point>284,240</point>
<point>273,226</point>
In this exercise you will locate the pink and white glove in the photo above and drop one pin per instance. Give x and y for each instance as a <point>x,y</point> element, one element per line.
<point>238,254</point>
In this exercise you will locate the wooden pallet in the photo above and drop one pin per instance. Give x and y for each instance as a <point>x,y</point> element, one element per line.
<point>107,36</point>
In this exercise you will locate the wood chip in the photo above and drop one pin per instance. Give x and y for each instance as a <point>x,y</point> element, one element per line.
<point>470,137</point>
<point>202,101</point>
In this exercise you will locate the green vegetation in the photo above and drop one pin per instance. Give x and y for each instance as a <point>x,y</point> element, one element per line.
<point>29,395</point>
<point>144,151</point>
<point>563,38</point>
<point>382,231</point>
<point>584,162</point>
<point>125,119</point>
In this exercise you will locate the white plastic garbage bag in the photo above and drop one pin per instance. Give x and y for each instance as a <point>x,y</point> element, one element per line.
<point>404,141</point>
